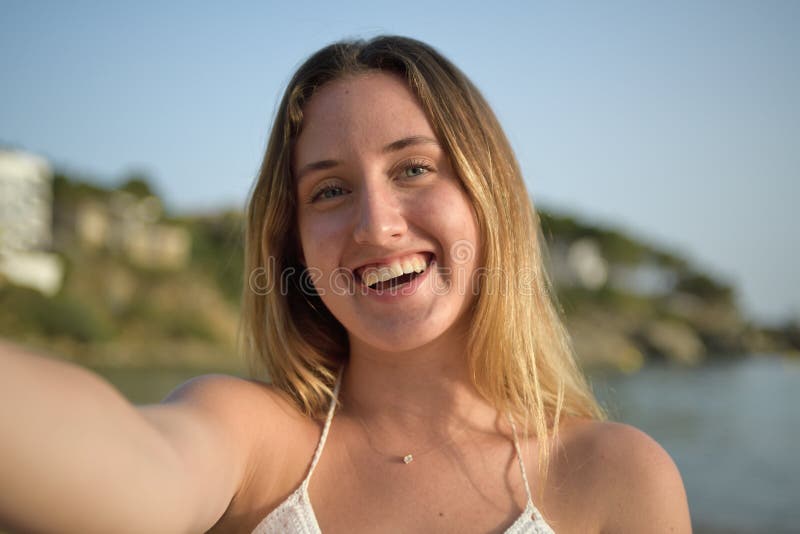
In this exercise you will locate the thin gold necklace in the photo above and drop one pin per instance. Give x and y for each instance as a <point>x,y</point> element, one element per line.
<point>409,457</point>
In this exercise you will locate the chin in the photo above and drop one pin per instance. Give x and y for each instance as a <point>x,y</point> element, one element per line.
<point>403,337</point>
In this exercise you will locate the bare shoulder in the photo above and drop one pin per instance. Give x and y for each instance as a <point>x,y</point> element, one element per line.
<point>236,398</point>
<point>241,433</point>
<point>635,485</point>
<point>259,416</point>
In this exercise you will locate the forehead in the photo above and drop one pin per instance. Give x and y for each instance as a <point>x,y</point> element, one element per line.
<point>359,114</point>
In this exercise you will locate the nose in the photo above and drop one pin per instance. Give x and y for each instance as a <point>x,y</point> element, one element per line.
<point>379,218</point>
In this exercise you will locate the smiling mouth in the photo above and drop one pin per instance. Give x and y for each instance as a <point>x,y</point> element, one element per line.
<point>393,275</point>
<point>394,282</point>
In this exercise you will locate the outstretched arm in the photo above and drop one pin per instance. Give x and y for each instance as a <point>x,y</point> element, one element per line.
<point>75,456</point>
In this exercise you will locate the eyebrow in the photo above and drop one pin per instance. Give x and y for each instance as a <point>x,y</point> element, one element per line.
<point>400,144</point>
<point>394,146</point>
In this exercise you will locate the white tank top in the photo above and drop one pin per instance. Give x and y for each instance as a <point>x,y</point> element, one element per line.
<point>295,515</point>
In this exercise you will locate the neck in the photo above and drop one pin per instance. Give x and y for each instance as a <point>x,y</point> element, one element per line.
<point>424,393</point>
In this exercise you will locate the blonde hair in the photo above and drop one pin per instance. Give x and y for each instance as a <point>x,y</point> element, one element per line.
<point>520,355</point>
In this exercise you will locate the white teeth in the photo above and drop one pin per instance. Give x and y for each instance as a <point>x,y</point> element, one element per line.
<point>385,273</point>
<point>373,275</point>
<point>396,268</point>
<point>370,277</point>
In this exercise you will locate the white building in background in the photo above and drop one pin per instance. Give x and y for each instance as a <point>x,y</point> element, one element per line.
<point>587,263</point>
<point>26,200</point>
<point>581,263</point>
<point>129,225</point>
<point>26,215</point>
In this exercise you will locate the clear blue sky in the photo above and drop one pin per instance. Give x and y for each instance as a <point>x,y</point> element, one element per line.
<point>678,121</point>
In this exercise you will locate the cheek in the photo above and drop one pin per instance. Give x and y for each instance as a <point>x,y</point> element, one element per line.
<point>319,239</point>
<point>450,215</point>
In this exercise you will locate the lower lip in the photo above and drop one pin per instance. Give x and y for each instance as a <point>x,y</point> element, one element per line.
<point>407,290</point>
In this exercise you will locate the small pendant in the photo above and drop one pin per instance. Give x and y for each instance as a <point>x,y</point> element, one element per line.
<point>407,459</point>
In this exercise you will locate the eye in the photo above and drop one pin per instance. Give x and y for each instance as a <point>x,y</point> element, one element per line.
<point>327,192</point>
<point>416,168</point>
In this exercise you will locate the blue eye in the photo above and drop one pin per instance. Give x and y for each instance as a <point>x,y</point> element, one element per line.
<point>328,192</point>
<point>416,169</point>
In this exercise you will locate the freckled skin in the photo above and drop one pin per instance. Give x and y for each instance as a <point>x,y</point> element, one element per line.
<point>380,208</point>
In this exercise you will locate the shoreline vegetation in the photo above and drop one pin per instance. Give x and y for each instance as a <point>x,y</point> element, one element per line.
<point>141,288</point>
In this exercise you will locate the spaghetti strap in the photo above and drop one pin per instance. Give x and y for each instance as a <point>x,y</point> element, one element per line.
<point>521,463</point>
<point>324,436</point>
<point>530,508</point>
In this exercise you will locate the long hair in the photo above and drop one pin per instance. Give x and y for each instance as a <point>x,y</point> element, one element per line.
<point>520,355</point>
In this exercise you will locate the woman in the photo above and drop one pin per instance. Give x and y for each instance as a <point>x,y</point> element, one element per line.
<point>396,283</point>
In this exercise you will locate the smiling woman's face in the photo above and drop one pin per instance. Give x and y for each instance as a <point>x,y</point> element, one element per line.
<point>377,198</point>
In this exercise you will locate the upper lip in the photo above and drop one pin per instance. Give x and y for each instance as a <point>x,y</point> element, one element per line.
<point>386,260</point>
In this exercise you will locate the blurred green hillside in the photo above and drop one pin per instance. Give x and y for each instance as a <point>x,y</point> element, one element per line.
<point>116,309</point>
<point>651,304</point>
<point>144,288</point>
